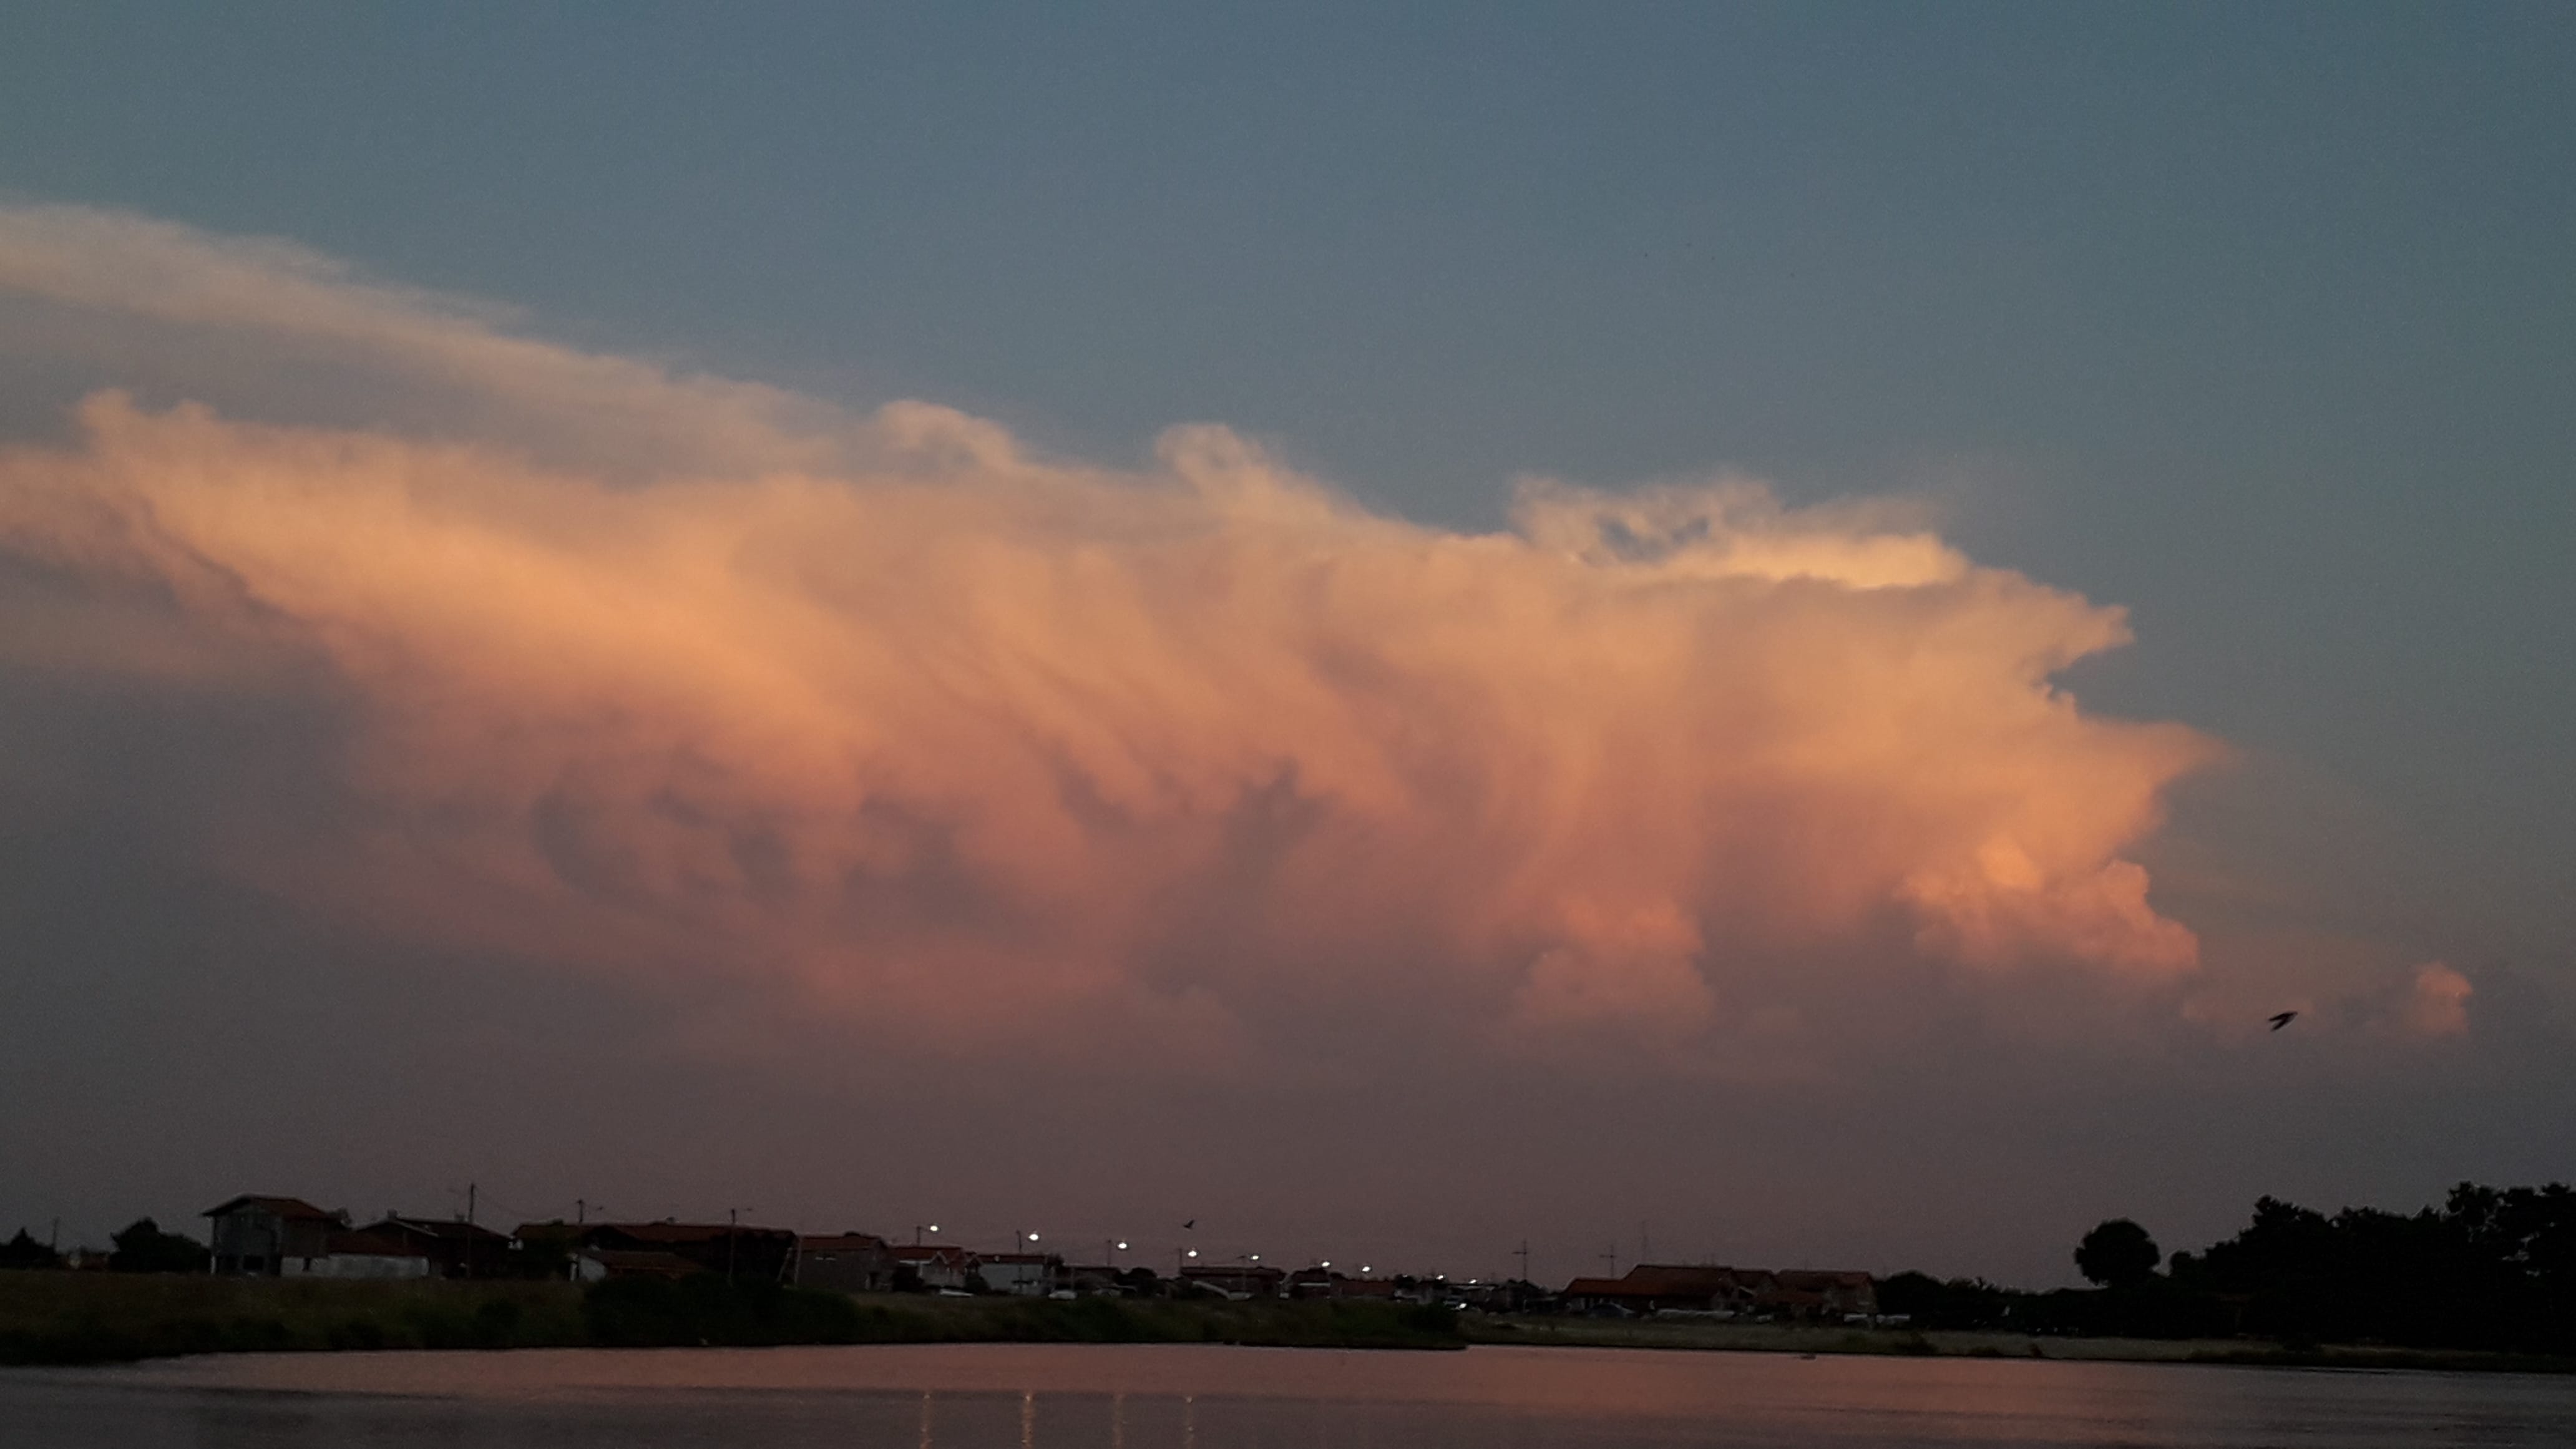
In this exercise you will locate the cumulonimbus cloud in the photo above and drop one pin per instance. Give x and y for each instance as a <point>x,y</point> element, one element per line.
<point>924,725</point>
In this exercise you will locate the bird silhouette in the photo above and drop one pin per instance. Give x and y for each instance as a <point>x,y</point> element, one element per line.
<point>2284,1019</point>
<point>1192,1223</point>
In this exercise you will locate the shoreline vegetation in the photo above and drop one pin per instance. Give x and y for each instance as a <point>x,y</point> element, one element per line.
<point>86,1318</point>
<point>79,1318</point>
<point>1702,1336</point>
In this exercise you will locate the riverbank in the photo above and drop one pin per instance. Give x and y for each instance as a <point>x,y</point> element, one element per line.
<point>1705,1335</point>
<point>74,1318</point>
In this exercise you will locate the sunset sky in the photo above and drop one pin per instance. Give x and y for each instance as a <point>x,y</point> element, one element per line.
<point>1760,633</point>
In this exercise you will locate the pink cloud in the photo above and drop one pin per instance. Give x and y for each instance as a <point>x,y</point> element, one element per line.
<point>944,737</point>
<point>2437,1003</point>
<point>911,723</point>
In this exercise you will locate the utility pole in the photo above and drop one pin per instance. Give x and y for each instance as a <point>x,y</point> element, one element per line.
<point>580,1211</point>
<point>1612,1258</point>
<point>733,1219</point>
<point>469,1229</point>
<point>1523,1255</point>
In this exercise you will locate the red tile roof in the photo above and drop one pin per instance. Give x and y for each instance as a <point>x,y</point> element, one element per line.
<point>686,1232</point>
<point>438,1229</point>
<point>370,1245</point>
<point>290,1208</point>
<point>641,1263</point>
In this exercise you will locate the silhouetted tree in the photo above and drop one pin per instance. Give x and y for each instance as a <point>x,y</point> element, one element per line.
<point>25,1252</point>
<point>144,1248</point>
<point>2118,1254</point>
<point>1959,1303</point>
<point>2491,1268</point>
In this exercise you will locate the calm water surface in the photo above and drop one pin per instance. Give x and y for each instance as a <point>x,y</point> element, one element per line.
<point>994,1396</point>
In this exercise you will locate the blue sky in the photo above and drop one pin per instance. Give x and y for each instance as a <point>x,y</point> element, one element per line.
<point>2257,320</point>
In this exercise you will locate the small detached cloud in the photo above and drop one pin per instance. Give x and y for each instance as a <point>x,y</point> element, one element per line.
<point>2437,1002</point>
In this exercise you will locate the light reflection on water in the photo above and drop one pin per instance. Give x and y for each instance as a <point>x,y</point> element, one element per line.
<point>989,1396</point>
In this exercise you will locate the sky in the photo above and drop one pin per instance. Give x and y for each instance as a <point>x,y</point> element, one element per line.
<point>1748,633</point>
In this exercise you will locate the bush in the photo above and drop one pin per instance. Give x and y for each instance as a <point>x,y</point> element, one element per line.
<point>144,1248</point>
<point>705,1309</point>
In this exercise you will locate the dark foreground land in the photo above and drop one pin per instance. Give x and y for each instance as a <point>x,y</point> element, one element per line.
<point>74,1318</point>
<point>71,1318</point>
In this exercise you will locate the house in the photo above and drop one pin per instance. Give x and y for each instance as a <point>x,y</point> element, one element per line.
<point>363,1254</point>
<point>454,1249</point>
<point>1829,1296</point>
<point>1030,1275</point>
<point>1487,1295</point>
<point>1320,1282</point>
<point>590,1265</point>
<point>1798,1294</point>
<point>728,1248</point>
<point>1093,1279</point>
<point>255,1235</point>
<point>934,1265</point>
<point>1243,1280</point>
<point>845,1263</point>
<point>1664,1288</point>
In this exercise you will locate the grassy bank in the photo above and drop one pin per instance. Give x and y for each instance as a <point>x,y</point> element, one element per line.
<point>66,1318</point>
<point>102,1317</point>
<point>1781,1338</point>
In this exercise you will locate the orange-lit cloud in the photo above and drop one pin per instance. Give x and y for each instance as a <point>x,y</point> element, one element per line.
<point>939,732</point>
<point>2438,1002</point>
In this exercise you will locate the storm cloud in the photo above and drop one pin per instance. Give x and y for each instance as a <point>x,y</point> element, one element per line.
<point>993,744</point>
<point>927,766</point>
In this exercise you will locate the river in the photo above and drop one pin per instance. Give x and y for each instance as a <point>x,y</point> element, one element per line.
<point>998,1396</point>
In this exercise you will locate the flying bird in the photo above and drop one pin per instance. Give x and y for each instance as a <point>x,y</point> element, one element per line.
<point>1192,1223</point>
<point>2284,1019</point>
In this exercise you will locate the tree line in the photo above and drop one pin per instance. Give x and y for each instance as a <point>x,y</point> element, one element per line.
<point>141,1247</point>
<point>2491,1268</point>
